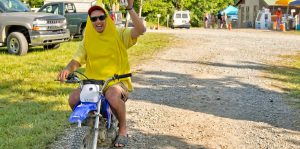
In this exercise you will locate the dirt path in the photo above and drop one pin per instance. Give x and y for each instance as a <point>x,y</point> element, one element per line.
<point>209,93</point>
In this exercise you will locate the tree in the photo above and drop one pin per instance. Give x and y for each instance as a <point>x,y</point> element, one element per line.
<point>151,8</point>
<point>35,3</point>
<point>199,7</point>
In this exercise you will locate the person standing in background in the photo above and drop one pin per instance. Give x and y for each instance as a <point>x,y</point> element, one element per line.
<point>227,20</point>
<point>278,14</point>
<point>206,20</point>
<point>219,16</point>
<point>213,21</point>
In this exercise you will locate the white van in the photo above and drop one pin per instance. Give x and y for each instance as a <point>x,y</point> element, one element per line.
<point>181,19</point>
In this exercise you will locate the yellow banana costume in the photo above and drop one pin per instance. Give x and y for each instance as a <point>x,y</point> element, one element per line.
<point>105,53</point>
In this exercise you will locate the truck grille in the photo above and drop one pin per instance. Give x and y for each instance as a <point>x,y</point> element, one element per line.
<point>55,24</point>
<point>54,21</point>
<point>54,28</point>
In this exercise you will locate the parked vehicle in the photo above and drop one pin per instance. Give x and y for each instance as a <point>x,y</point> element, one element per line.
<point>181,19</point>
<point>76,21</point>
<point>97,126</point>
<point>81,5</point>
<point>20,28</point>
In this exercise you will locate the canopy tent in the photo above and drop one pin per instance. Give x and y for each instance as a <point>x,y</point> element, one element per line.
<point>295,3</point>
<point>283,2</point>
<point>230,10</point>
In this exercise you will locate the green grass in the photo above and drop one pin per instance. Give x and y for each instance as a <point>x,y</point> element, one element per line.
<point>287,73</point>
<point>154,24</point>
<point>293,32</point>
<point>33,107</point>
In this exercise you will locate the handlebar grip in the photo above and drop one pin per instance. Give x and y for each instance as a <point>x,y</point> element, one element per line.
<point>73,81</point>
<point>72,78</point>
<point>123,76</point>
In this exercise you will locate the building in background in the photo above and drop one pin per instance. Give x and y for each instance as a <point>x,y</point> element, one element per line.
<point>248,10</point>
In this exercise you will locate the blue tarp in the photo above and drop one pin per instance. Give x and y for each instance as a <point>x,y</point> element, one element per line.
<point>230,10</point>
<point>295,3</point>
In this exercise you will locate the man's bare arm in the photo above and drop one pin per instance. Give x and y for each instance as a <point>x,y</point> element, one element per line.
<point>72,66</point>
<point>139,27</point>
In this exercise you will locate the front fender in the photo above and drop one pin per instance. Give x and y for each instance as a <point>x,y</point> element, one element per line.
<point>81,112</point>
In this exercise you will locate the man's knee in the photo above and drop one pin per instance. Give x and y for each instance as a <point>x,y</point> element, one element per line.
<point>74,98</point>
<point>117,91</point>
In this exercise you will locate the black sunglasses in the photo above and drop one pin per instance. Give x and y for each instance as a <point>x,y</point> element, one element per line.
<point>101,18</point>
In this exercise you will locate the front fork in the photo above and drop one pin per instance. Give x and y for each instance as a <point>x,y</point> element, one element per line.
<point>96,127</point>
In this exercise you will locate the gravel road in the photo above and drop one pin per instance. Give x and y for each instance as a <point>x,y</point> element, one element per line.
<point>209,92</point>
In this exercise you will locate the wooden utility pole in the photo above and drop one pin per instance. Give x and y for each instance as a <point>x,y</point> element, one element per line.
<point>158,16</point>
<point>141,7</point>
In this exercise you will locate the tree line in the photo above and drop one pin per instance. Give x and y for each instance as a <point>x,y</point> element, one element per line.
<point>197,9</point>
<point>150,8</point>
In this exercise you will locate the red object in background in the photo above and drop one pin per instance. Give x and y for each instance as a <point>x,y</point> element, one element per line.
<point>112,16</point>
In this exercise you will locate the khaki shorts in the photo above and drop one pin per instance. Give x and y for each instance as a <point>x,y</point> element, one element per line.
<point>123,89</point>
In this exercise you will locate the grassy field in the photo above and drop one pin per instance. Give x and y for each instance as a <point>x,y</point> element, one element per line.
<point>33,107</point>
<point>287,73</point>
<point>293,32</point>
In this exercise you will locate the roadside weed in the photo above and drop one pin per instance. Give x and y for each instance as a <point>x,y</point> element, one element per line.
<point>287,73</point>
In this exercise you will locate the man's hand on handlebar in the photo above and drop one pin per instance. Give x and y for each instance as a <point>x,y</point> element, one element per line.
<point>72,66</point>
<point>63,75</point>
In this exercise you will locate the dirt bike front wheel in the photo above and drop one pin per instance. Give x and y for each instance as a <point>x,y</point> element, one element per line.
<point>83,138</point>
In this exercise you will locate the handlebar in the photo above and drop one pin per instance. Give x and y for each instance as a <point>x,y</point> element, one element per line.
<point>122,76</point>
<point>73,78</point>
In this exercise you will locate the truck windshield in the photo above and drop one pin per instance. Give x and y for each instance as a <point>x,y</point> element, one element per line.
<point>13,6</point>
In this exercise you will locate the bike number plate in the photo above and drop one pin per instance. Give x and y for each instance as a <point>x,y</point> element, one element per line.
<point>89,93</point>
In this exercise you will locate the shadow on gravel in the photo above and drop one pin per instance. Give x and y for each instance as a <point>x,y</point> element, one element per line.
<point>157,141</point>
<point>225,97</point>
<point>282,74</point>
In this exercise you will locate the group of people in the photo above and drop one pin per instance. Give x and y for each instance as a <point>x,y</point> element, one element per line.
<point>280,15</point>
<point>211,20</point>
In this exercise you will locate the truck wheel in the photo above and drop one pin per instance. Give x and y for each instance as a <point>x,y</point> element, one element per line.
<point>51,46</point>
<point>82,33</point>
<point>17,43</point>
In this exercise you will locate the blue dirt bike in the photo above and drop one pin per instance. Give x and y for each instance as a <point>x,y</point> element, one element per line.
<point>96,125</point>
